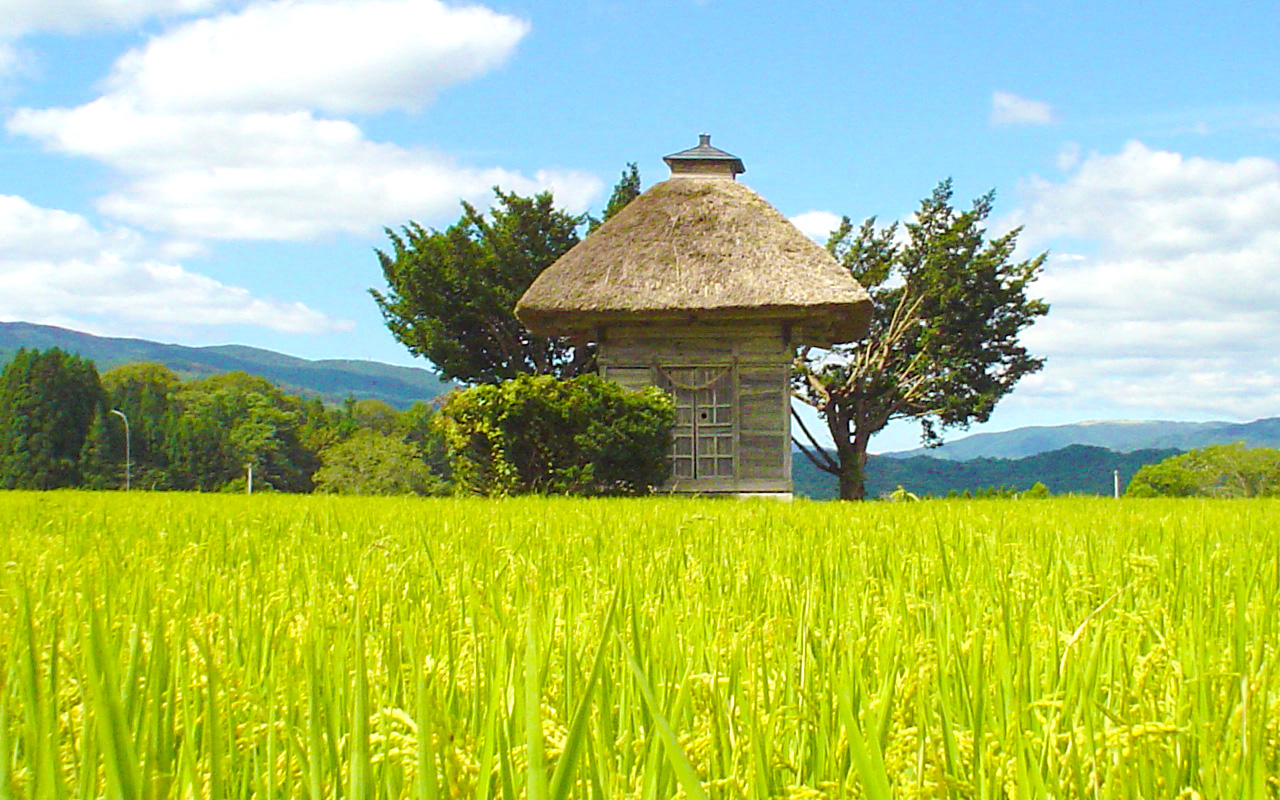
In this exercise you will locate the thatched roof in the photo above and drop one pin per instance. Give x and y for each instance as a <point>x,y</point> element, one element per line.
<point>698,248</point>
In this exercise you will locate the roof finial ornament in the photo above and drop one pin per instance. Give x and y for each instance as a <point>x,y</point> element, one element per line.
<point>704,161</point>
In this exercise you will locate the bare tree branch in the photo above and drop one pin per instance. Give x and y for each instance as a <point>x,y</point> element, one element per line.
<point>822,465</point>
<point>816,445</point>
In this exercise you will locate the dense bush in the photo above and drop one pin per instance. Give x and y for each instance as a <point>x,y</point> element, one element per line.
<point>539,434</point>
<point>373,462</point>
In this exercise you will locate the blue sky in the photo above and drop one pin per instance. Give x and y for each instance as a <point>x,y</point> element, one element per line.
<point>212,171</point>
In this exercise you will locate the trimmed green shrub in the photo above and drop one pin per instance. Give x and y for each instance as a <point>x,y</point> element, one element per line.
<point>540,434</point>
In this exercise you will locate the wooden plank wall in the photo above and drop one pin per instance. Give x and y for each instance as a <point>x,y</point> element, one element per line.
<point>633,354</point>
<point>763,427</point>
<point>684,343</point>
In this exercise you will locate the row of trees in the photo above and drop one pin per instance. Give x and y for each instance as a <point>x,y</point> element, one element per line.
<point>943,347</point>
<point>65,426</point>
<point>61,425</point>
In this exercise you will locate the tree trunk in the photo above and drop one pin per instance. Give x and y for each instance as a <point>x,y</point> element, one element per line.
<point>853,467</point>
<point>851,443</point>
<point>853,482</point>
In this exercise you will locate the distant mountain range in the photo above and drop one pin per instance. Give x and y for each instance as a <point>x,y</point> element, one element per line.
<point>1122,437</point>
<point>1079,458</point>
<point>331,380</point>
<point>1075,469</point>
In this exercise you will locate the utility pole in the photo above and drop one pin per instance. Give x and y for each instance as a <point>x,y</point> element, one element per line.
<point>128,449</point>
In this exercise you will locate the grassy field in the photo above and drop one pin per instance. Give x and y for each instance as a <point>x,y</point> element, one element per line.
<point>229,647</point>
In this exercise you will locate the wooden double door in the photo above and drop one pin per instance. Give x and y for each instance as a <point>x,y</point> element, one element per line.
<point>705,442</point>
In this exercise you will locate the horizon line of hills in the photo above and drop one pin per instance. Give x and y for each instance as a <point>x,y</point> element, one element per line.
<point>1075,458</point>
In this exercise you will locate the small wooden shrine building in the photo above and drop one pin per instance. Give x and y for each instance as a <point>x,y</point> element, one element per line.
<point>702,288</point>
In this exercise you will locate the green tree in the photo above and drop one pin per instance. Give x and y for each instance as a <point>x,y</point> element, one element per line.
<point>626,190</point>
<point>1038,491</point>
<point>48,401</point>
<point>418,424</point>
<point>320,425</point>
<point>587,435</point>
<point>145,393</point>
<point>1220,470</point>
<point>232,420</point>
<point>451,294</point>
<point>374,462</point>
<point>943,345</point>
<point>374,415</point>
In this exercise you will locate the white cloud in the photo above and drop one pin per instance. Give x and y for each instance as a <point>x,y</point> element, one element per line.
<point>213,129</point>
<point>1158,203</point>
<point>1176,306</point>
<point>817,224</point>
<point>284,176</point>
<point>1068,157</point>
<point>9,59</point>
<point>55,265</point>
<point>1010,109</point>
<point>21,17</point>
<point>1220,387</point>
<point>332,55</point>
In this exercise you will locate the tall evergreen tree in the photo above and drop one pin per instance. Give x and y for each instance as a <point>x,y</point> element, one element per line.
<point>943,347</point>
<point>624,191</point>
<point>48,401</point>
<point>451,294</point>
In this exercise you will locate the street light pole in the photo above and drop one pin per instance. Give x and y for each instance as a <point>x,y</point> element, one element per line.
<point>128,449</point>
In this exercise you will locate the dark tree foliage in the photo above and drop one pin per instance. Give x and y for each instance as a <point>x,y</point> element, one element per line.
<point>144,393</point>
<point>943,347</point>
<point>321,426</point>
<point>48,401</point>
<point>451,294</point>
<point>542,435</point>
<point>626,190</point>
<point>418,424</point>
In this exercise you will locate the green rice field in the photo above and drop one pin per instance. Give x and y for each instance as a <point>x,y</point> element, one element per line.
<point>180,646</point>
